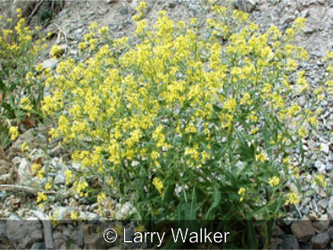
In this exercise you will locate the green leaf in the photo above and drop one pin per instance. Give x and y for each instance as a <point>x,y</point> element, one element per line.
<point>4,137</point>
<point>251,237</point>
<point>192,212</point>
<point>169,193</point>
<point>217,199</point>
<point>247,153</point>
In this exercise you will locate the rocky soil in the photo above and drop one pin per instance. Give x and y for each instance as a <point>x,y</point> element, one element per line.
<point>18,186</point>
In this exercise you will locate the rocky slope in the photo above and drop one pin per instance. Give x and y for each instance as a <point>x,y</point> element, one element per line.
<point>69,26</point>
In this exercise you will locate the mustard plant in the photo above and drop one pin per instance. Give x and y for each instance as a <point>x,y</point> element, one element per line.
<point>21,83</point>
<point>186,125</point>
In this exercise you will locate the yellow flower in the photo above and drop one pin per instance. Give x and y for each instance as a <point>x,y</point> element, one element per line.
<point>299,23</point>
<point>40,174</point>
<point>13,132</point>
<point>230,105</point>
<point>242,192</point>
<point>26,104</point>
<point>56,51</point>
<point>274,181</point>
<point>41,197</point>
<point>261,157</point>
<point>103,30</point>
<point>293,199</point>
<point>35,167</point>
<point>158,184</point>
<point>94,25</point>
<point>82,46</point>
<point>74,215</point>
<point>100,197</point>
<point>48,186</point>
<point>154,155</point>
<point>24,146</point>
<point>320,180</point>
<point>81,187</point>
<point>69,176</point>
<point>141,6</point>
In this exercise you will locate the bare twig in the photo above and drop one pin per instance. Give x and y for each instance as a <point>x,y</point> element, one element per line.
<point>64,34</point>
<point>47,229</point>
<point>32,191</point>
<point>35,9</point>
<point>17,188</point>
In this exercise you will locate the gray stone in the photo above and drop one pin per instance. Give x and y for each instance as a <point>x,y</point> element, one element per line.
<point>320,241</point>
<point>2,229</point>
<point>277,231</point>
<point>323,204</point>
<point>41,139</point>
<point>330,233</point>
<point>321,192</point>
<point>123,11</point>
<point>50,63</point>
<point>330,209</point>
<point>78,236</point>
<point>322,224</point>
<point>59,180</point>
<point>22,234</point>
<point>313,216</point>
<point>303,230</point>
<point>274,243</point>
<point>306,201</point>
<point>245,5</point>
<point>58,239</point>
<point>95,241</point>
<point>305,13</point>
<point>38,246</point>
<point>305,210</point>
<point>27,137</point>
<point>289,242</point>
<point>73,246</point>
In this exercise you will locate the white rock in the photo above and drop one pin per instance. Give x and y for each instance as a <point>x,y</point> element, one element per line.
<point>50,63</point>
<point>324,148</point>
<point>24,172</point>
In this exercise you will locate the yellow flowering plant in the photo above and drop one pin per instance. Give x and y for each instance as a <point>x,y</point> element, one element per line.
<point>21,81</point>
<point>183,121</point>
